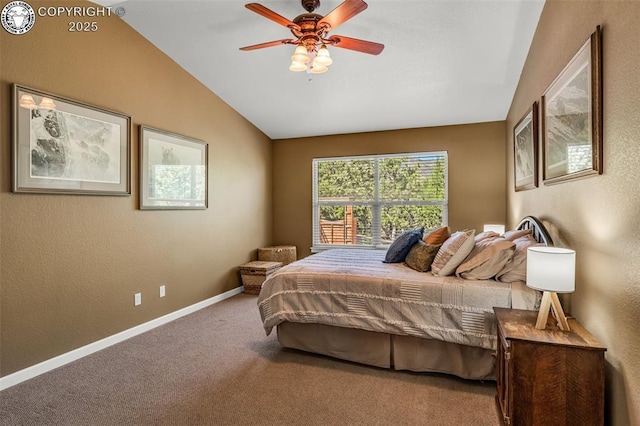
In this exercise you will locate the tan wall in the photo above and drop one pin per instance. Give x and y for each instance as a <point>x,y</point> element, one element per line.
<point>597,216</point>
<point>476,173</point>
<point>71,264</point>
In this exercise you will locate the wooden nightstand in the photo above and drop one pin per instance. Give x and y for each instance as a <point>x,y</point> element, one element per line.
<point>548,377</point>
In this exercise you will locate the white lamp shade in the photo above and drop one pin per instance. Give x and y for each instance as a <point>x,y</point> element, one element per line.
<point>300,55</point>
<point>323,58</point>
<point>318,69</point>
<point>297,66</point>
<point>551,269</point>
<point>495,228</point>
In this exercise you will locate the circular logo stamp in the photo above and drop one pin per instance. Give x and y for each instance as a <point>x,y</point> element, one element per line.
<point>18,17</point>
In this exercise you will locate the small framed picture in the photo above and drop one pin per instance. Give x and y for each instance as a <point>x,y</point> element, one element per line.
<point>62,146</point>
<point>173,171</point>
<point>572,117</point>
<point>525,150</point>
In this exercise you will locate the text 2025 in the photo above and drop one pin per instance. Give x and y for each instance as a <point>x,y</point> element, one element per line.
<point>83,26</point>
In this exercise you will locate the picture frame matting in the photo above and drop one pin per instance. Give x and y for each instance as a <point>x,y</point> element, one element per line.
<point>173,171</point>
<point>63,146</point>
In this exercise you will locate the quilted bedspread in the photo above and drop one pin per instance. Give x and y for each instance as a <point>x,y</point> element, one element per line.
<point>355,289</point>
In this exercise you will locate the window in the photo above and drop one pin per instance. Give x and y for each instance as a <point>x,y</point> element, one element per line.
<point>367,201</point>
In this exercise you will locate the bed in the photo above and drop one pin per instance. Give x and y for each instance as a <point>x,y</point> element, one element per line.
<point>348,304</point>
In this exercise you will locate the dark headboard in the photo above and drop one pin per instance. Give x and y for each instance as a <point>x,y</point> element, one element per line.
<point>538,230</point>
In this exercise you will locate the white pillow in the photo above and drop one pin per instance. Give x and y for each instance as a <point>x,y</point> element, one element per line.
<point>453,252</point>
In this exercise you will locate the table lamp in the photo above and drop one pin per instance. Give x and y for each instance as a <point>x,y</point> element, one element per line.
<point>551,270</point>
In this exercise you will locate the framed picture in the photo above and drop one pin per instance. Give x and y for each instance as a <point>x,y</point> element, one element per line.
<point>173,171</point>
<point>63,146</point>
<point>525,150</point>
<point>572,117</point>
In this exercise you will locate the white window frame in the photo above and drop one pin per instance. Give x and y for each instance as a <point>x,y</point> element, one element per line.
<point>376,203</point>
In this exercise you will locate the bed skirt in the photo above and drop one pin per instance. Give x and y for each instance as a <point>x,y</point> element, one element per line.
<point>389,351</point>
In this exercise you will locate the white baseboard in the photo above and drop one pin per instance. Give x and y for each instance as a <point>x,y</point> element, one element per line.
<point>60,360</point>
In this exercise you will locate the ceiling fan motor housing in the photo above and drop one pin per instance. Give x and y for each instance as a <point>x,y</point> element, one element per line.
<point>309,34</point>
<point>310,5</point>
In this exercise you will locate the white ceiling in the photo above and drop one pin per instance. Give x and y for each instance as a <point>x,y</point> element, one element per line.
<point>445,61</point>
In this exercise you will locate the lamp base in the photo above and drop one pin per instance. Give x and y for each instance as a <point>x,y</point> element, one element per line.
<point>550,301</point>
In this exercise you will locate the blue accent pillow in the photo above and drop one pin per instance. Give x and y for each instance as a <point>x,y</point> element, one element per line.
<point>399,249</point>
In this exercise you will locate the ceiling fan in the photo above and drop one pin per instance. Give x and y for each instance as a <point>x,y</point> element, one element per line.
<point>311,34</point>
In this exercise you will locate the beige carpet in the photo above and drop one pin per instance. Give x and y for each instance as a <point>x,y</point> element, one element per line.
<point>217,367</point>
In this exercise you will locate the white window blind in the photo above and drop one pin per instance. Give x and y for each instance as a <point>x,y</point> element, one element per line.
<point>367,201</point>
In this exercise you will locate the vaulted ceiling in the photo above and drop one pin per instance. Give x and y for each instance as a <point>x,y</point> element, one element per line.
<point>445,61</point>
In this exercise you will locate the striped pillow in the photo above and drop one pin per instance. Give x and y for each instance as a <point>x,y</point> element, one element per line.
<point>453,252</point>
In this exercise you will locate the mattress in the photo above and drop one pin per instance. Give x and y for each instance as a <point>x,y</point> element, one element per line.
<point>354,289</point>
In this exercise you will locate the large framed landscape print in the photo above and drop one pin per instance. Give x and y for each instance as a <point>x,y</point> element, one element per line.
<point>173,171</point>
<point>525,150</point>
<point>572,117</point>
<point>63,146</point>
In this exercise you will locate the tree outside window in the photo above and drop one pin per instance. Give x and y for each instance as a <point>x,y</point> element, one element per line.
<point>368,201</point>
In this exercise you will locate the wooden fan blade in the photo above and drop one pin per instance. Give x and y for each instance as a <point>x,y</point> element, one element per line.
<point>270,14</point>
<point>269,44</point>
<point>354,44</point>
<point>342,13</point>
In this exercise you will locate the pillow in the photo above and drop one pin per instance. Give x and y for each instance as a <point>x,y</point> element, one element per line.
<point>487,258</point>
<point>437,235</point>
<point>453,252</point>
<point>421,256</point>
<point>486,234</point>
<point>516,268</point>
<point>399,249</point>
<point>515,234</point>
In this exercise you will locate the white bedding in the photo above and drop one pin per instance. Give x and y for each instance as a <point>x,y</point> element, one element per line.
<point>355,289</point>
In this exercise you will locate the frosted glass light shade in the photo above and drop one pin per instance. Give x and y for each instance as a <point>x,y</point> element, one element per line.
<point>495,228</point>
<point>300,55</point>
<point>297,66</point>
<point>318,69</point>
<point>323,58</point>
<point>551,269</point>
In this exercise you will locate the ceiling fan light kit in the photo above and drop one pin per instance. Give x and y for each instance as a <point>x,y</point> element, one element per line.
<point>301,58</point>
<point>311,34</point>
<point>300,55</point>
<point>298,66</point>
<point>319,69</point>
<point>323,57</point>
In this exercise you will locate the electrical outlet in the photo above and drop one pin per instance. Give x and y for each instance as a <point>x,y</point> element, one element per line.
<point>162,291</point>
<point>137,299</point>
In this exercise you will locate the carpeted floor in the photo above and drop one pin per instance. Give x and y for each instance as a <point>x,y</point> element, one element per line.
<point>217,367</point>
